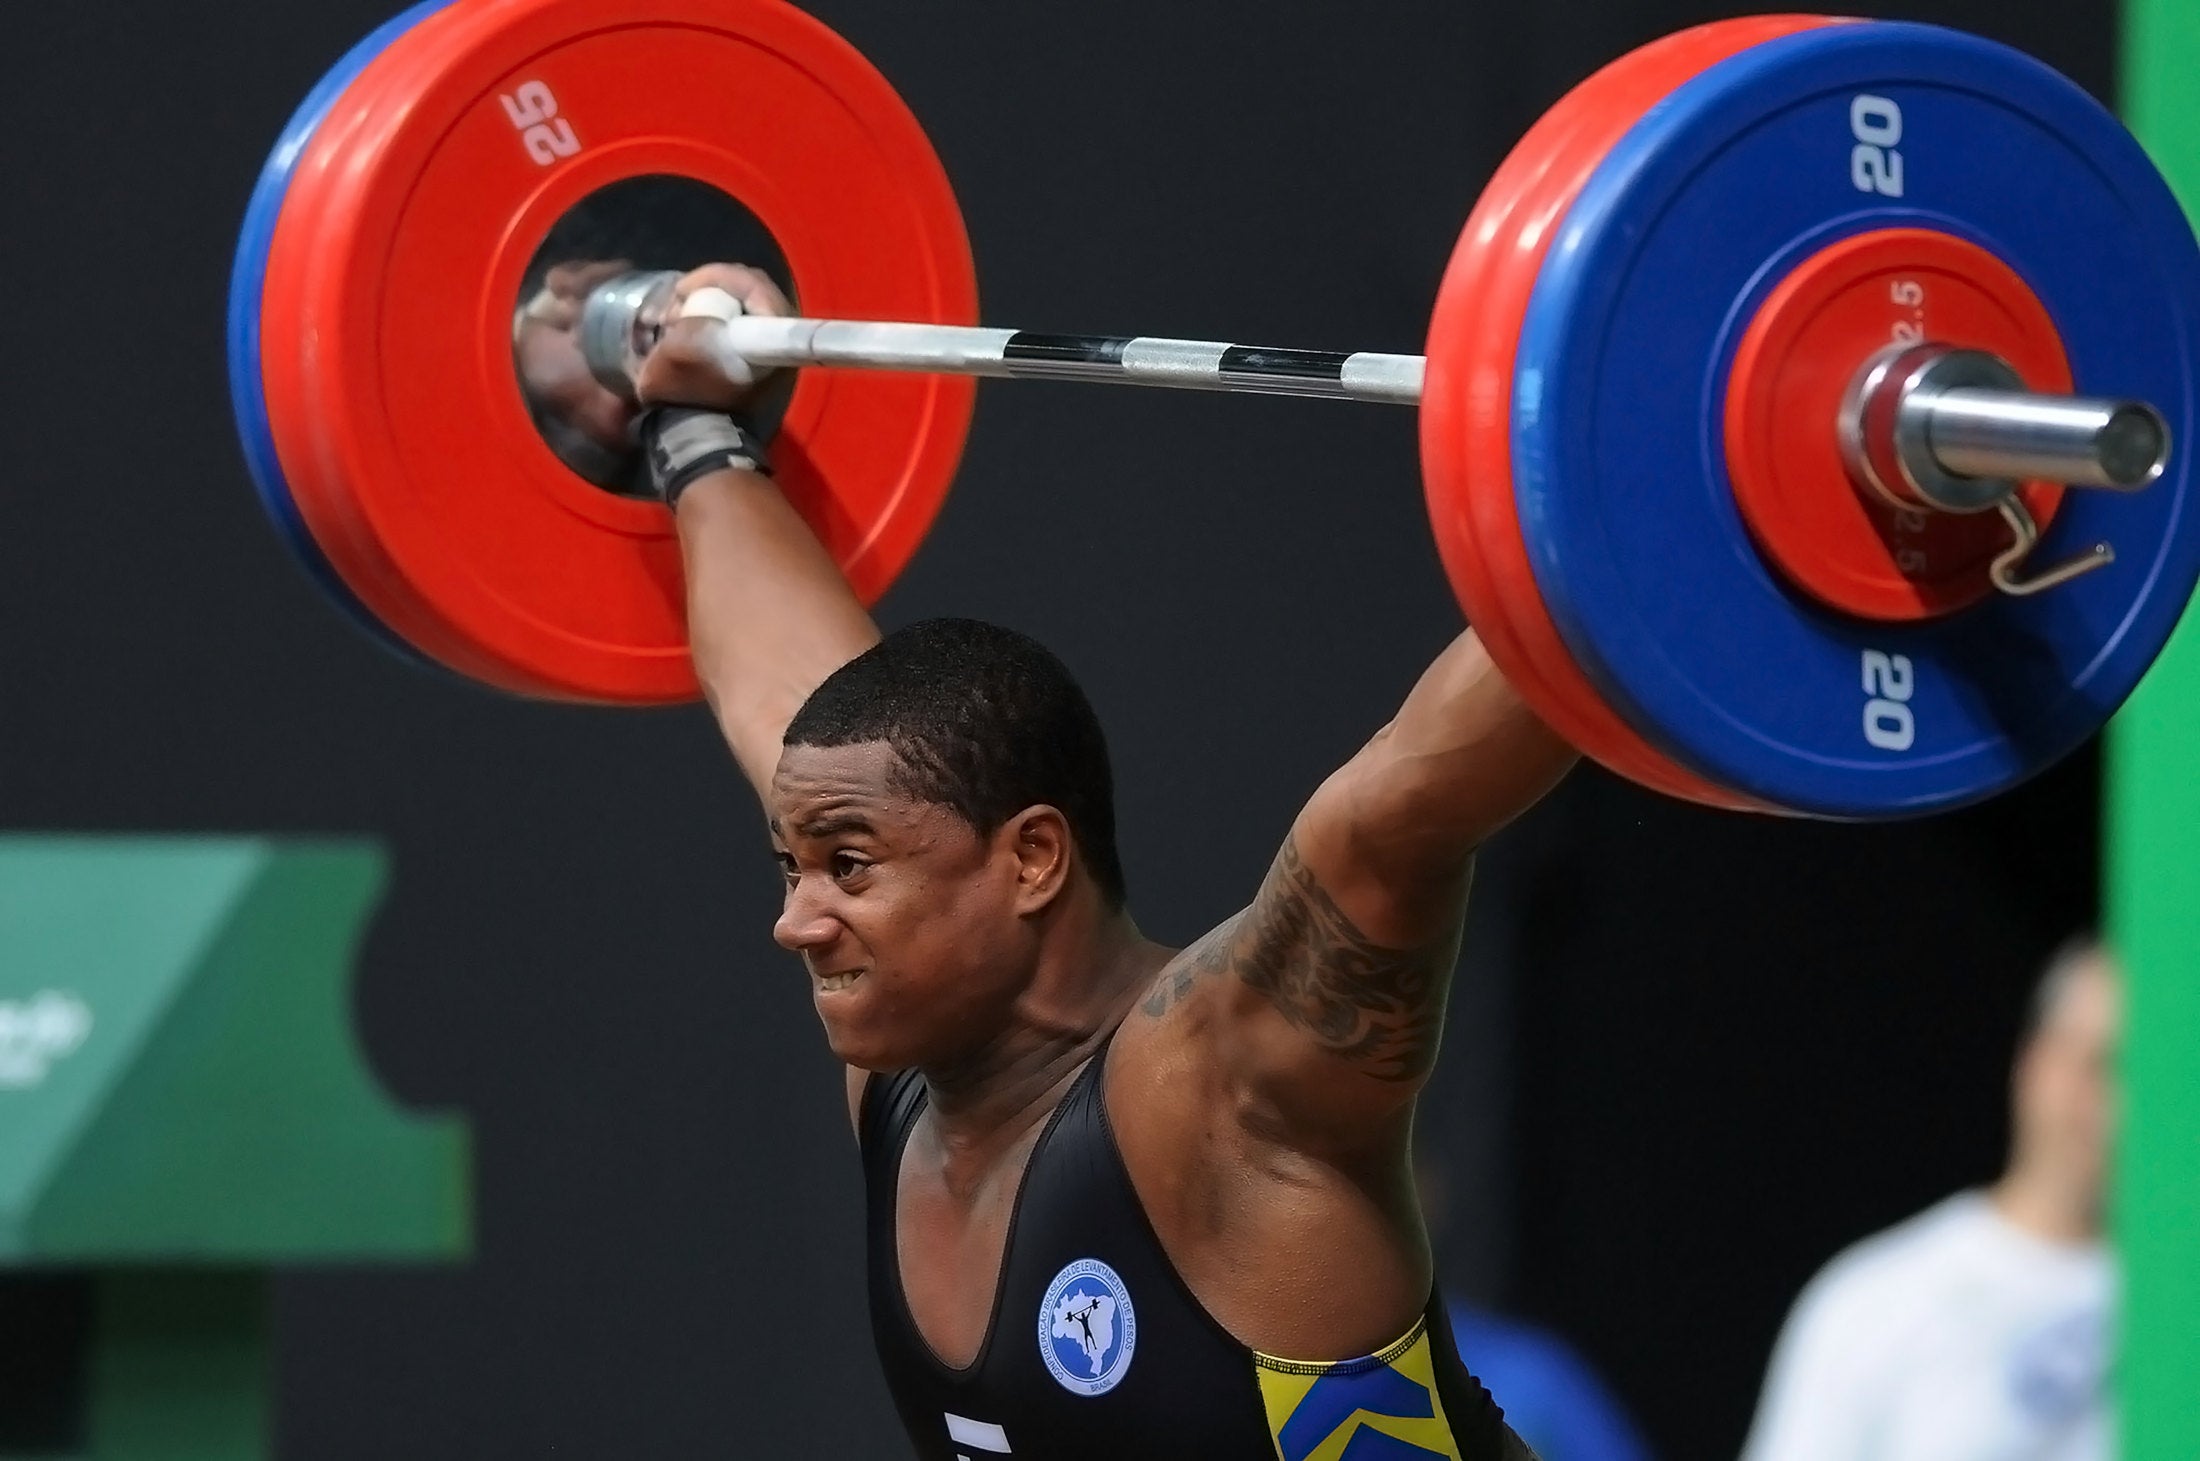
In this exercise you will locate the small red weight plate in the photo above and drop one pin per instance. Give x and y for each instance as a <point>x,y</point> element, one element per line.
<point>1841,543</point>
<point>1466,404</point>
<point>397,266</point>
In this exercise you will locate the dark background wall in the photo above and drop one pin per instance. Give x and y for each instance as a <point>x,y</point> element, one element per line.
<point>1693,1053</point>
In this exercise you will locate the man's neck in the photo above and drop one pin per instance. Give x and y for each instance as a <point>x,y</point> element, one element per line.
<point>2047,1208</point>
<point>987,1104</point>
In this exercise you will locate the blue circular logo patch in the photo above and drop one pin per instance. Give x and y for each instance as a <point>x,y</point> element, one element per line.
<point>1087,1328</point>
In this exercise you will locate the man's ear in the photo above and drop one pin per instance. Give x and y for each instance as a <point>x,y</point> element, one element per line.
<point>1039,840</point>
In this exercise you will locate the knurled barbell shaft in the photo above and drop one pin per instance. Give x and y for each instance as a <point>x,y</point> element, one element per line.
<point>2079,440</point>
<point>1967,433</point>
<point>1209,365</point>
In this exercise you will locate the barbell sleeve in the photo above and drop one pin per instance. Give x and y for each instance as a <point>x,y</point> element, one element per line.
<point>1939,427</point>
<point>2082,441</point>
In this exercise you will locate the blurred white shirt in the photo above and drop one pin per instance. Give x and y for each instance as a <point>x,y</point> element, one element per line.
<point>1955,1336</point>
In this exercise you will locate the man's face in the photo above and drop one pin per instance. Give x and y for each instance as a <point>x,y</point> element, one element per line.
<point>905,917</point>
<point>2065,1088</point>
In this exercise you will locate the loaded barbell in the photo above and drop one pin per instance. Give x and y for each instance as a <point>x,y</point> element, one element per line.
<point>1926,426</point>
<point>1749,399</point>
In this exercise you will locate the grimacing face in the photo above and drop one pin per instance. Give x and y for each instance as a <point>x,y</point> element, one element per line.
<point>912,926</point>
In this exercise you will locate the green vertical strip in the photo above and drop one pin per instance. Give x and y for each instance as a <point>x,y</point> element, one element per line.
<point>2153,879</point>
<point>2154,922</point>
<point>179,1368</point>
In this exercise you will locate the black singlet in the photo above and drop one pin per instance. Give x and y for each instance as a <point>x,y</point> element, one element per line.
<point>1097,1351</point>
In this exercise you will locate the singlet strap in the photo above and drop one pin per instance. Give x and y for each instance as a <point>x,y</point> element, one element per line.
<point>888,1105</point>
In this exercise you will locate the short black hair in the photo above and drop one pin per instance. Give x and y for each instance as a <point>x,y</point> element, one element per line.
<point>986,722</point>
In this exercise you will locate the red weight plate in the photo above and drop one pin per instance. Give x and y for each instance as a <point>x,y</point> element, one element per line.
<point>1466,404</point>
<point>1841,543</point>
<point>398,262</point>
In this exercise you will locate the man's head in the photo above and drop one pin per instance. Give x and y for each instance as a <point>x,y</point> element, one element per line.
<point>2062,1091</point>
<point>940,799</point>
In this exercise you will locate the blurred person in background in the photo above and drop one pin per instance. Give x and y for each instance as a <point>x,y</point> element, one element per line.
<point>1981,1327</point>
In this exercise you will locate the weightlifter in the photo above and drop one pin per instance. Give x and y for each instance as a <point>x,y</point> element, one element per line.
<point>1125,1201</point>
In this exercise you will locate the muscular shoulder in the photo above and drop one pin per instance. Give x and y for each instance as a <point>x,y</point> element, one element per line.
<point>1157,1047</point>
<point>1170,996</point>
<point>1166,1091</point>
<point>1239,1199</point>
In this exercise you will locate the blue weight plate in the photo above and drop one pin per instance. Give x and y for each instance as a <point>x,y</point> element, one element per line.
<point>247,276</point>
<point>1619,466</point>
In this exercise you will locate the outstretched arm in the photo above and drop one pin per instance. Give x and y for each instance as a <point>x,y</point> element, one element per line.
<point>769,615</point>
<point>1327,993</point>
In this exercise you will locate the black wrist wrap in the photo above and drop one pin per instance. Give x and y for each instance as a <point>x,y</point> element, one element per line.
<point>685,444</point>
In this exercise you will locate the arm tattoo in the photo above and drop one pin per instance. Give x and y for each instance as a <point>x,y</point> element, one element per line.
<point>1211,955</point>
<point>1377,1007</point>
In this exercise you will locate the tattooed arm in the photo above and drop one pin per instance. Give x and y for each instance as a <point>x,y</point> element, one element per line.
<point>1327,994</point>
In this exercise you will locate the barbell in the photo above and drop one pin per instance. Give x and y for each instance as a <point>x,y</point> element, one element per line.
<point>1751,404</point>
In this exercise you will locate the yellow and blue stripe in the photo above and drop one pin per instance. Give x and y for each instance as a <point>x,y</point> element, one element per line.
<point>1381,1407</point>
